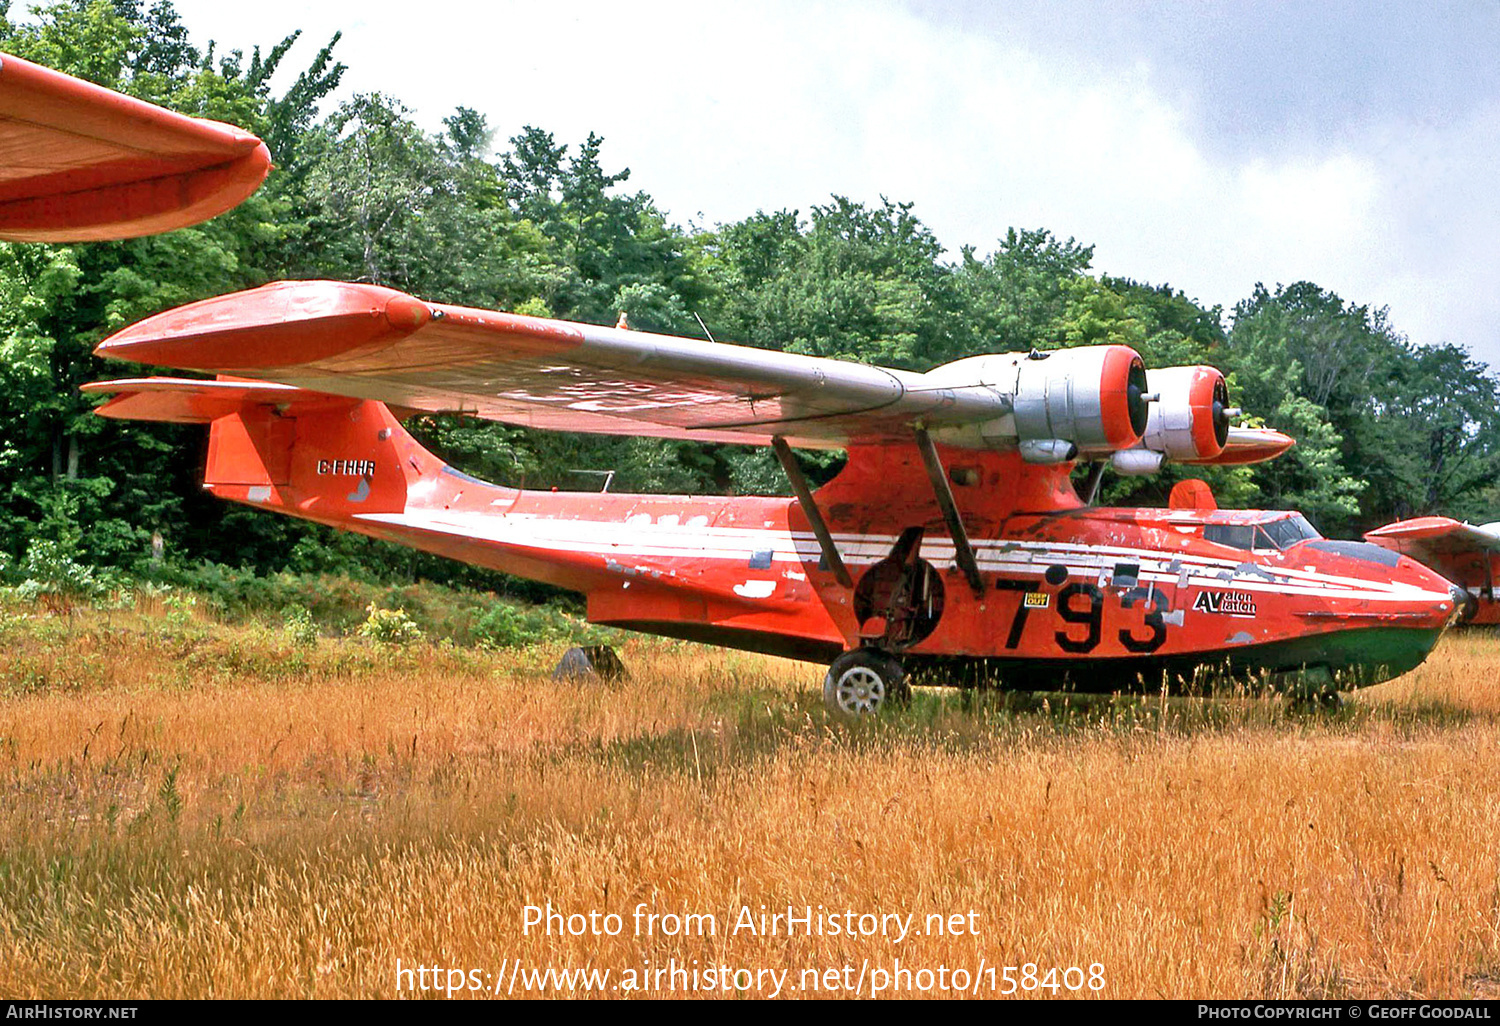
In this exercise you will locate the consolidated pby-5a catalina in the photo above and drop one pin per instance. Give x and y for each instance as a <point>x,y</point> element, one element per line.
<point>952,548</point>
<point>952,544</point>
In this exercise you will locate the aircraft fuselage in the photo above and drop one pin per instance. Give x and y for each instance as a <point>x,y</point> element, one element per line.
<point>1093,599</point>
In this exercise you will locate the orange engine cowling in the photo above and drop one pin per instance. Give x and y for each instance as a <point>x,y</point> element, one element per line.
<point>1190,419</point>
<point>1094,397</point>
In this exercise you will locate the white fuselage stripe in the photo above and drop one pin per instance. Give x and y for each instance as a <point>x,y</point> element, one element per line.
<point>626,541</point>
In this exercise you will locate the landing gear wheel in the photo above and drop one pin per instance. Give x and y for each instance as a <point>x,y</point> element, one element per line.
<point>1326,702</point>
<point>1315,692</point>
<point>862,683</point>
<point>1330,701</point>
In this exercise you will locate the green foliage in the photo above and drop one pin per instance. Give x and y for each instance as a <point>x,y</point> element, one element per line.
<point>507,626</point>
<point>390,627</point>
<point>1385,428</point>
<point>60,463</point>
<point>855,283</point>
<point>179,611</point>
<point>1013,297</point>
<point>300,627</point>
<point>168,797</point>
<point>49,574</point>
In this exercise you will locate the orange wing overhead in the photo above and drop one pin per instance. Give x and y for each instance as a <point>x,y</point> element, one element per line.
<point>81,163</point>
<point>1435,539</point>
<point>371,342</point>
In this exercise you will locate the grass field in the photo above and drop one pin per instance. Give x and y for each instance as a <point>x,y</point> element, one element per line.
<point>195,809</point>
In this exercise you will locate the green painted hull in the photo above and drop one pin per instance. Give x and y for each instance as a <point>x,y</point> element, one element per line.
<point>1348,658</point>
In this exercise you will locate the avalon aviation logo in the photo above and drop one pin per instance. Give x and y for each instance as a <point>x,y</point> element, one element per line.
<point>1225,603</point>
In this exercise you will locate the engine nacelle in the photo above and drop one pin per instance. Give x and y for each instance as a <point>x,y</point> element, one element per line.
<point>1047,451</point>
<point>1064,404</point>
<point>1190,419</point>
<point>1094,396</point>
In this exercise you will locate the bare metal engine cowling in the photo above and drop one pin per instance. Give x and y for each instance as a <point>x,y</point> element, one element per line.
<point>1066,403</point>
<point>1190,418</point>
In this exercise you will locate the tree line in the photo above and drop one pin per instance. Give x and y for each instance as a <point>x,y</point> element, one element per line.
<point>1386,428</point>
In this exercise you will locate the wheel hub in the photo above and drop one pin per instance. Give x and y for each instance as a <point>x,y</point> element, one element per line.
<point>860,690</point>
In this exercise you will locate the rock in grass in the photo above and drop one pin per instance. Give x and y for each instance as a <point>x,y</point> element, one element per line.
<point>599,661</point>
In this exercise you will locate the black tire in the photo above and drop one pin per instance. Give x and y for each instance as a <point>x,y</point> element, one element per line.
<point>1320,696</point>
<point>861,683</point>
<point>1330,701</point>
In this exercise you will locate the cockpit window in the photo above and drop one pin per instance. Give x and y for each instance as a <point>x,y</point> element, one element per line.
<point>1236,536</point>
<point>1271,536</point>
<point>1289,531</point>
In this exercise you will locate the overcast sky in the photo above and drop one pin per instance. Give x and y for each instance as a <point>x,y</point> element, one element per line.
<point>1209,146</point>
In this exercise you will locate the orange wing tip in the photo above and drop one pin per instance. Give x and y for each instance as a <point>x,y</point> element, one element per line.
<point>285,324</point>
<point>91,164</point>
<point>1248,445</point>
<point>134,209</point>
<point>1418,527</point>
<point>297,323</point>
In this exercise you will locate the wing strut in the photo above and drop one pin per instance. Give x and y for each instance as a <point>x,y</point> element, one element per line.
<point>810,510</point>
<point>1096,474</point>
<point>963,551</point>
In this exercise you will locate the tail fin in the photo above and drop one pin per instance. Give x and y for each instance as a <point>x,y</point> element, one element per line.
<point>311,454</point>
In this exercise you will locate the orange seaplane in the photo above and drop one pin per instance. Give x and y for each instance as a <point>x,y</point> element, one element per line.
<point>952,548</point>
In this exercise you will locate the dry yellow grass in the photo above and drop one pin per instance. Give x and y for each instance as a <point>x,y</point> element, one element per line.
<point>208,811</point>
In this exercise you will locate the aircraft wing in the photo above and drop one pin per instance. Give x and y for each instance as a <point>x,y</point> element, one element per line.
<point>370,342</point>
<point>81,163</point>
<point>1432,538</point>
<point>1248,445</point>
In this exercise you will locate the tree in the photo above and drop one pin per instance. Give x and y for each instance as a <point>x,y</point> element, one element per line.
<point>65,467</point>
<point>1014,298</point>
<point>1435,439</point>
<point>1414,425</point>
<point>855,282</point>
<point>1385,428</point>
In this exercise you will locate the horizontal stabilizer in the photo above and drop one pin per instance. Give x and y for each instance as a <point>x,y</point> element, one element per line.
<point>189,401</point>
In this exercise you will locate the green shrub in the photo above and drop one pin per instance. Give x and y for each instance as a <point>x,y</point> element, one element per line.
<point>507,626</point>
<point>300,626</point>
<point>390,627</point>
<point>51,576</point>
